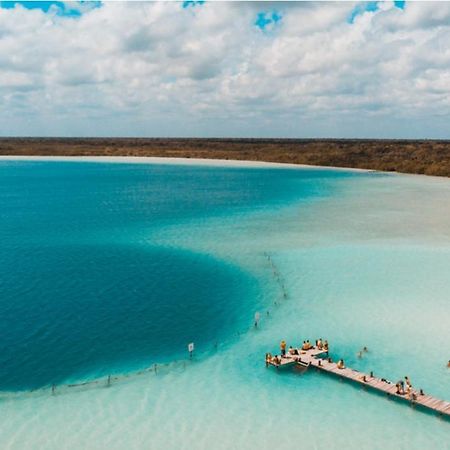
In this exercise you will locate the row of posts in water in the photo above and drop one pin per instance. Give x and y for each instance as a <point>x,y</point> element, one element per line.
<point>280,283</point>
<point>154,368</point>
<point>110,379</point>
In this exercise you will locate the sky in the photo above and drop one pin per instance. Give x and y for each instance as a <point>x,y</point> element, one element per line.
<point>225,69</point>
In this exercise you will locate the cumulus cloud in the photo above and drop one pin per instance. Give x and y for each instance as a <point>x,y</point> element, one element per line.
<point>239,69</point>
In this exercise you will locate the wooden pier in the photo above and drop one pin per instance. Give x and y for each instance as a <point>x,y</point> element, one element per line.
<point>318,359</point>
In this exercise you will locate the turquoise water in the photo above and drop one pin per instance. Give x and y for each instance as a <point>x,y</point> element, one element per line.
<point>73,312</point>
<point>107,268</point>
<point>81,293</point>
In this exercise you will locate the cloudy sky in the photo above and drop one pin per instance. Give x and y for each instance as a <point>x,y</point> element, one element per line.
<point>256,69</point>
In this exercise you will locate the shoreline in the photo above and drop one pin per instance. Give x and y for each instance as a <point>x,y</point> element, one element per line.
<point>207,162</point>
<point>429,158</point>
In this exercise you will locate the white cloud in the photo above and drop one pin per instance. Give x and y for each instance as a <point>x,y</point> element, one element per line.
<point>160,69</point>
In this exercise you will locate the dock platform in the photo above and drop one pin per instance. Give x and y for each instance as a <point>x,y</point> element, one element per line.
<point>317,358</point>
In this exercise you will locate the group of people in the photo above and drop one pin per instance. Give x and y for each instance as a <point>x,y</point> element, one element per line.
<point>405,388</point>
<point>320,344</point>
<point>272,359</point>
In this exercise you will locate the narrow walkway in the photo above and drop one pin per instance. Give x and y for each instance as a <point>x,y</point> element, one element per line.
<point>318,359</point>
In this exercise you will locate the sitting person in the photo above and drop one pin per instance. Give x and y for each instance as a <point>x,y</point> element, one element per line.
<point>291,350</point>
<point>320,344</point>
<point>276,359</point>
<point>325,345</point>
<point>304,346</point>
<point>340,364</point>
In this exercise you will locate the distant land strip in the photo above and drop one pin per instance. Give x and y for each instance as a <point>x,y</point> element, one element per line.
<point>428,157</point>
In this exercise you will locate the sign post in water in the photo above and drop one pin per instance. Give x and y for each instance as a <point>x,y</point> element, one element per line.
<point>191,349</point>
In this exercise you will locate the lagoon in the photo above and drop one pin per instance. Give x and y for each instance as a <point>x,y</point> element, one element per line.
<point>109,268</point>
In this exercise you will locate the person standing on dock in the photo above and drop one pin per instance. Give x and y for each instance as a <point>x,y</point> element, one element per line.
<point>283,348</point>
<point>408,383</point>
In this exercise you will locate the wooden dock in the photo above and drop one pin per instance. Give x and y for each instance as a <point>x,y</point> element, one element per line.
<point>319,359</point>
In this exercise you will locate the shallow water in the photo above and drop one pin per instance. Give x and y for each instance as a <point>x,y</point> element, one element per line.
<point>364,260</point>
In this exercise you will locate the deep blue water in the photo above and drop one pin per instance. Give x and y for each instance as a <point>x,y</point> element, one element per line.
<point>82,293</point>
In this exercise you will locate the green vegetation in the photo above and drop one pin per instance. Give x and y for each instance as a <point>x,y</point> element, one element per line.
<point>429,157</point>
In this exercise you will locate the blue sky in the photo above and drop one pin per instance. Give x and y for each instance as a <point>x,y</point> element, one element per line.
<point>43,6</point>
<point>266,19</point>
<point>333,69</point>
<point>67,9</point>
